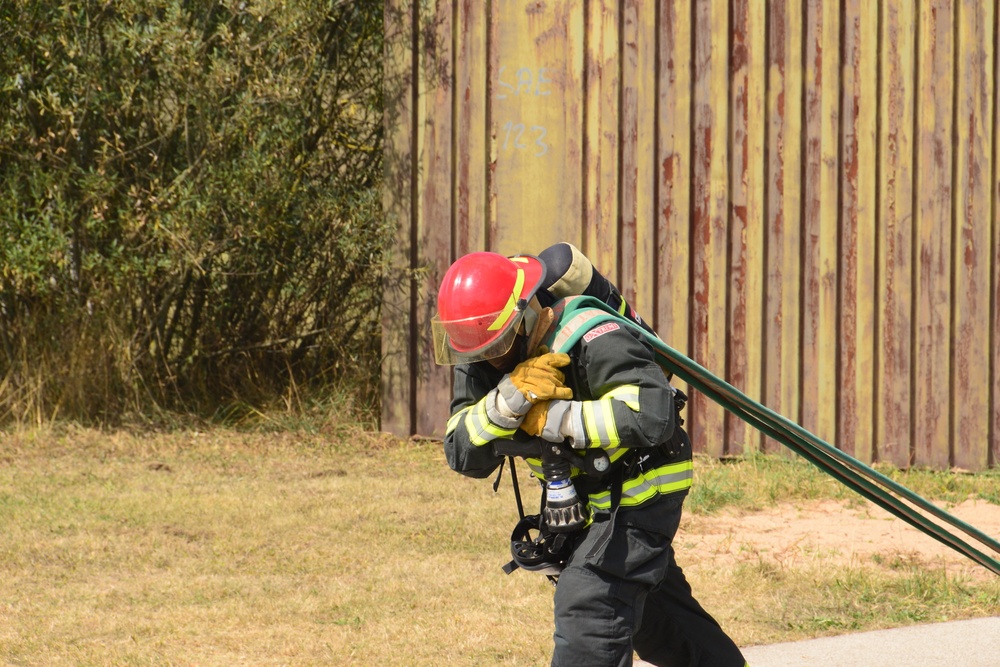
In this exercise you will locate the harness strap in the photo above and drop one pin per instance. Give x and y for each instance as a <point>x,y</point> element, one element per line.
<point>609,529</point>
<point>513,480</point>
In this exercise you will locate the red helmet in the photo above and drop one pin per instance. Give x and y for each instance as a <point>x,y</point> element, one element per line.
<point>480,305</point>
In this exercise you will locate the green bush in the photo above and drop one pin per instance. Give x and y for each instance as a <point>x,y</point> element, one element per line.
<point>189,203</point>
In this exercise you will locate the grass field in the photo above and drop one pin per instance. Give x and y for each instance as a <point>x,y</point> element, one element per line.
<point>341,547</point>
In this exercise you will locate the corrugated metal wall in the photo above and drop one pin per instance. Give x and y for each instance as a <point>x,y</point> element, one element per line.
<point>801,196</point>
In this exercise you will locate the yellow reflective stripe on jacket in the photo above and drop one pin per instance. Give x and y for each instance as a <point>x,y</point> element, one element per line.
<point>455,420</point>
<point>627,394</point>
<point>599,418</point>
<point>479,427</point>
<point>599,423</point>
<point>663,480</point>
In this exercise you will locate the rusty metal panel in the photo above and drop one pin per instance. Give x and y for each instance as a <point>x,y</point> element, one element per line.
<point>859,101</point>
<point>472,84</point>
<point>781,340</point>
<point>709,213</point>
<point>895,242</point>
<point>933,221</point>
<point>398,397</point>
<point>973,187</point>
<point>819,223</point>
<point>674,158</point>
<point>639,132</point>
<point>746,217</point>
<point>994,361</point>
<point>600,156</point>
<point>434,223</point>
<point>994,335</point>
<point>797,195</point>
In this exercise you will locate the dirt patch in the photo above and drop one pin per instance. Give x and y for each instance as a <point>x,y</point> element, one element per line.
<point>839,532</point>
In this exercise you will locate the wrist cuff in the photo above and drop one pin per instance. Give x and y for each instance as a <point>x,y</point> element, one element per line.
<point>571,425</point>
<point>556,416</point>
<point>512,402</point>
<point>499,412</point>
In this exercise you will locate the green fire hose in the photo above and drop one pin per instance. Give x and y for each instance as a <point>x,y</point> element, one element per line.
<point>881,490</point>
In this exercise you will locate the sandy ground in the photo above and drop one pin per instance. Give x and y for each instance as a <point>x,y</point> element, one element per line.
<point>840,532</point>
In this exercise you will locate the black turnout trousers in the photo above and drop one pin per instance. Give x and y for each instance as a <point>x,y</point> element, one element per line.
<point>631,595</point>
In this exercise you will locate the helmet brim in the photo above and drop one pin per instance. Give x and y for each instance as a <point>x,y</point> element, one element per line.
<point>447,353</point>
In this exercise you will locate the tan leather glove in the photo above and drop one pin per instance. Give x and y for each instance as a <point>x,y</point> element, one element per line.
<point>534,421</point>
<point>539,378</point>
<point>555,421</point>
<point>534,380</point>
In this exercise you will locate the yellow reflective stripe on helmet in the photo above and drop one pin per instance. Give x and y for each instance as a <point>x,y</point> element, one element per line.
<point>479,427</point>
<point>622,307</point>
<point>664,480</point>
<point>508,310</point>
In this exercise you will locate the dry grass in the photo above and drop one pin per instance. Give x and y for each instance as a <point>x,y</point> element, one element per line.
<point>338,548</point>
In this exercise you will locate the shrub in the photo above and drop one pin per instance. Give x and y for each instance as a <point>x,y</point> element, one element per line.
<point>189,203</point>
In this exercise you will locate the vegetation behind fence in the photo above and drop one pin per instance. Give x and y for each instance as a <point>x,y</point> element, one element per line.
<point>190,208</point>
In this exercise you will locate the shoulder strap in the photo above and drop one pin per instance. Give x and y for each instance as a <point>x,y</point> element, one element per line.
<point>575,316</point>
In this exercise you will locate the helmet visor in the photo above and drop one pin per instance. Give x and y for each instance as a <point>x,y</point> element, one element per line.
<point>478,343</point>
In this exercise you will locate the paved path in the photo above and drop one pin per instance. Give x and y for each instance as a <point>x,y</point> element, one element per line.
<point>973,643</point>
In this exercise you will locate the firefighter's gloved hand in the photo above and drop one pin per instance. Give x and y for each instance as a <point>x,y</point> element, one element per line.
<point>556,421</point>
<point>536,379</point>
<point>539,378</point>
<point>534,421</point>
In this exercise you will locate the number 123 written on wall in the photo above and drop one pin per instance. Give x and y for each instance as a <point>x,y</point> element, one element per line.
<point>515,136</point>
<point>518,135</point>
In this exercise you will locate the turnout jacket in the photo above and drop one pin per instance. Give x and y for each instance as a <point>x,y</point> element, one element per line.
<point>628,410</point>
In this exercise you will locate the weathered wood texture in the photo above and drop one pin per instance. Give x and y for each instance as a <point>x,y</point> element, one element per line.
<point>802,196</point>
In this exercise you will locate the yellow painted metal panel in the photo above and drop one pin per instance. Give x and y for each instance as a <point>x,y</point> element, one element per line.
<point>397,394</point>
<point>601,143</point>
<point>858,228</point>
<point>933,223</point>
<point>746,233</point>
<point>973,186</point>
<point>536,123</point>
<point>896,111</point>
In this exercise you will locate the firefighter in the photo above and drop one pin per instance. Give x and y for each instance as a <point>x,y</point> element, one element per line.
<point>619,588</point>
